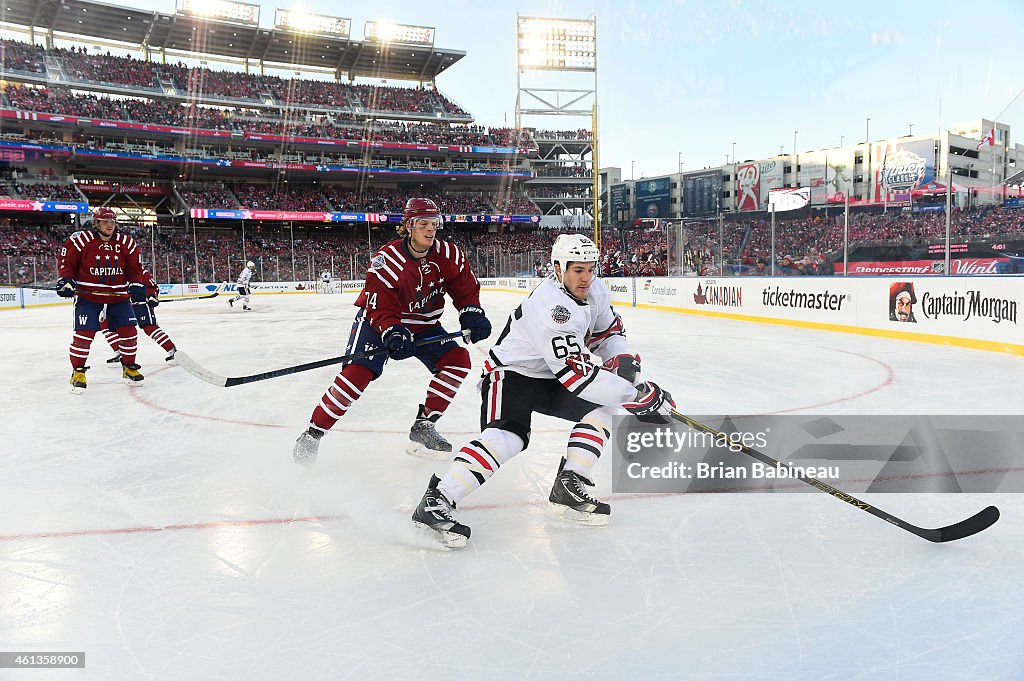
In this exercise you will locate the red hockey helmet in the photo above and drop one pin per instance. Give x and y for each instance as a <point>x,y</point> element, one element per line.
<point>104,214</point>
<point>417,207</point>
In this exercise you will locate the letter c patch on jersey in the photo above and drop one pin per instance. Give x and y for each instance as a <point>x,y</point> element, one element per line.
<point>560,314</point>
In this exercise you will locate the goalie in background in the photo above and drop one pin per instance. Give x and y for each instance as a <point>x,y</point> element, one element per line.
<point>325,282</point>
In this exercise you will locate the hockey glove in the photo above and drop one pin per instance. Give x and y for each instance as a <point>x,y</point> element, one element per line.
<point>626,366</point>
<point>651,404</point>
<point>399,342</point>
<point>137,292</point>
<point>65,287</point>
<point>473,320</point>
<point>153,301</point>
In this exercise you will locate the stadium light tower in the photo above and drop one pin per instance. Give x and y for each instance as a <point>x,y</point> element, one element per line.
<point>563,54</point>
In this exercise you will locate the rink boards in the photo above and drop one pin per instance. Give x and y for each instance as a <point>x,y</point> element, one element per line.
<point>976,312</point>
<point>979,312</point>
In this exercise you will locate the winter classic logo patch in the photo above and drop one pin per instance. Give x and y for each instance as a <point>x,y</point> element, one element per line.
<point>377,262</point>
<point>560,314</point>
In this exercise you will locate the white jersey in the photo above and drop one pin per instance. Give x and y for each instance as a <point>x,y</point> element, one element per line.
<point>244,277</point>
<point>549,336</point>
<point>325,277</point>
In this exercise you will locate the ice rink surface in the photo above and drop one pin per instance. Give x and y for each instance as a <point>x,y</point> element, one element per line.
<point>165,531</point>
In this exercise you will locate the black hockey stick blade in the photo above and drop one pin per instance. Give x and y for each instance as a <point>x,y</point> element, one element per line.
<point>965,528</point>
<point>204,374</point>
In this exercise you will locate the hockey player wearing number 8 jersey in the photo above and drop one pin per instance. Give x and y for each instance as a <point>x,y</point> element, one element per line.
<point>539,365</point>
<point>402,302</point>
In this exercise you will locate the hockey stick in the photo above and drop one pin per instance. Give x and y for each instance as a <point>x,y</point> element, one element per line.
<point>190,365</point>
<point>179,300</point>
<point>965,528</point>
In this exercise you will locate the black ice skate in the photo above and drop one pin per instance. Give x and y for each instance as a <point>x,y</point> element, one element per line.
<point>231,302</point>
<point>131,375</point>
<point>424,440</point>
<point>170,355</point>
<point>306,447</point>
<point>245,307</point>
<point>569,498</point>
<point>435,512</point>
<point>78,380</point>
<point>114,361</point>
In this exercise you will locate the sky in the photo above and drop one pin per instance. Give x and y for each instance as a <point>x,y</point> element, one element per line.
<point>684,80</point>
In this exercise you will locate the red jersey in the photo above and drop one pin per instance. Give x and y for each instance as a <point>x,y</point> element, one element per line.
<point>401,289</point>
<point>101,269</point>
<point>152,288</point>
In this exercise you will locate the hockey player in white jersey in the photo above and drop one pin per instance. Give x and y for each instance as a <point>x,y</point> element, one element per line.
<point>244,290</point>
<point>540,364</point>
<point>325,281</point>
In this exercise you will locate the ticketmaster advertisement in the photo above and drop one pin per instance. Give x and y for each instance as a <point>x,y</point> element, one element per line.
<point>855,454</point>
<point>977,311</point>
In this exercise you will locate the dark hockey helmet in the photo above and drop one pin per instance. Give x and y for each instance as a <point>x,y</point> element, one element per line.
<point>417,207</point>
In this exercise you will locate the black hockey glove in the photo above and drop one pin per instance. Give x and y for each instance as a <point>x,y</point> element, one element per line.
<point>399,342</point>
<point>153,301</point>
<point>65,287</point>
<point>651,404</point>
<point>137,292</point>
<point>626,366</point>
<point>472,319</point>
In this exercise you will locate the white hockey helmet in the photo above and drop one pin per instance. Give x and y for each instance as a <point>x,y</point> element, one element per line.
<point>573,248</point>
<point>251,265</point>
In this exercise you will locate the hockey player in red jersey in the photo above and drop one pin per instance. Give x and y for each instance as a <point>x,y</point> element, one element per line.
<point>542,363</point>
<point>103,269</point>
<point>401,302</point>
<point>145,315</point>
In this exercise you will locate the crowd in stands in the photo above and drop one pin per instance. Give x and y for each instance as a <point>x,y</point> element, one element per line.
<point>561,191</point>
<point>581,134</point>
<point>65,102</point>
<point>47,191</point>
<point>206,195</point>
<point>60,101</point>
<point>30,253</point>
<point>564,171</point>
<point>346,199</point>
<point>474,135</point>
<point>512,137</point>
<point>19,56</point>
<point>203,82</point>
<point>282,197</point>
<point>80,65</point>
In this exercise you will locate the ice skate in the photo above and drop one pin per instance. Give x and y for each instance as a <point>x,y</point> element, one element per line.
<point>170,355</point>
<point>231,302</point>
<point>114,361</point>
<point>246,307</point>
<point>570,500</point>
<point>78,380</point>
<point>436,513</point>
<point>424,440</point>
<point>306,447</point>
<point>131,375</point>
